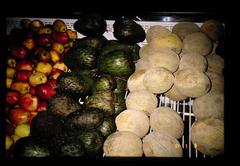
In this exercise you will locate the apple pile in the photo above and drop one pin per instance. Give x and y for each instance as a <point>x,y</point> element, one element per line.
<point>35,60</point>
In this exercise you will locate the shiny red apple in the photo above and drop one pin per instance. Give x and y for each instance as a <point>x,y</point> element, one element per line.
<point>44,40</point>
<point>18,116</point>
<point>42,106</point>
<point>61,37</point>
<point>23,75</point>
<point>44,91</point>
<point>29,102</point>
<point>52,83</point>
<point>19,52</point>
<point>25,65</point>
<point>12,97</point>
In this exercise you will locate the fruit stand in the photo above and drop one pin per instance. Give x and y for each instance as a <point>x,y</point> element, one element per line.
<point>45,76</point>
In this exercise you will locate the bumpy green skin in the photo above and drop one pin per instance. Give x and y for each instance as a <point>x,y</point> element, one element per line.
<point>75,84</point>
<point>116,63</point>
<point>31,147</point>
<point>107,127</point>
<point>121,86</point>
<point>90,24</point>
<point>120,104</point>
<point>92,141</point>
<point>84,119</point>
<point>95,42</point>
<point>61,105</point>
<point>65,144</point>
<point>46,125</point>
<point>104,83</point>
<point>102,100</point>
<point>127,30</point>
<point>81,57</point>
<point>132,50</point>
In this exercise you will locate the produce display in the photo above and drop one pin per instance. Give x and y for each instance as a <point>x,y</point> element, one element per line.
<point>71,96</point>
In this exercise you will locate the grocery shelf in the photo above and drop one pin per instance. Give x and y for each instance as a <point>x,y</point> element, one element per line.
<point>183,108</point>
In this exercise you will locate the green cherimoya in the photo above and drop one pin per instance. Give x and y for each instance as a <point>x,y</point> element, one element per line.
<point>81,57</point>
<point>116,63</point>
<point>104,83</point>
<point>95,42</point>
<point>102,100</point>
<point>107,127</point>
<point>66,144</point>
<point>132,50</point>
<point>85,119</point>
<point>62,105</point>
<point>45,124</point>
<point>127,30</point>
<point>75,84</point>
<point>120,104</point>
<point>121,87</point>
<point>92,141</point>
<point>31,147</point>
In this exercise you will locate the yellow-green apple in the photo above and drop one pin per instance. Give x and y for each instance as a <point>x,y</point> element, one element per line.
<point>72,34</point>
<point>18,116</point>
<point>15,138</point>
<point>22,130</point>
<point>44,40</point>
<point>44,30</point>
<point>25,65</point>
<point>37,78</point>
<point>60,37</point>
<point>11,62</point>
<point>36,24</point>
<point>55,73</point>
<point>42,54</point>
<point>21,87</point>
<point>44,91</point>
<point>9,82</point>
<point>58,47</point>
<point>10,72</point>
<point>44,67</point>
<point>55,57</point>
<point>68,44</point>
<point>12,97</point>
<point>8,142</point>
<point>29,43</point>
<point>23,75</point>
<point>29,102</point>
<point>19,51</point>
<point>59,26</point>
<point>60,66</point>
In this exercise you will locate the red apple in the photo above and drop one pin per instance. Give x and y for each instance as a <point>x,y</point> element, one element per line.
<point>18,116</point>
<point>44,30</point>
<point>44,67</point>
<point>60,37</point>
<point>55,73</point>
<point>45,92</point>
<point>32,90</point>
<point>23,75</point>
<point>44,40</point>
<point>52,83</point>
<point>58,47</point>
<point>19,52</point>
<point>29,102</point>
<point>12,97</point>
<point>42,106</point>
<point>42,54</point>
<point>25,65</point>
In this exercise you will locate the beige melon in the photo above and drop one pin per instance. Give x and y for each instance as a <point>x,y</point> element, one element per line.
<point>135,81</point>
<point>156,31</point>
<point>183,29</point>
